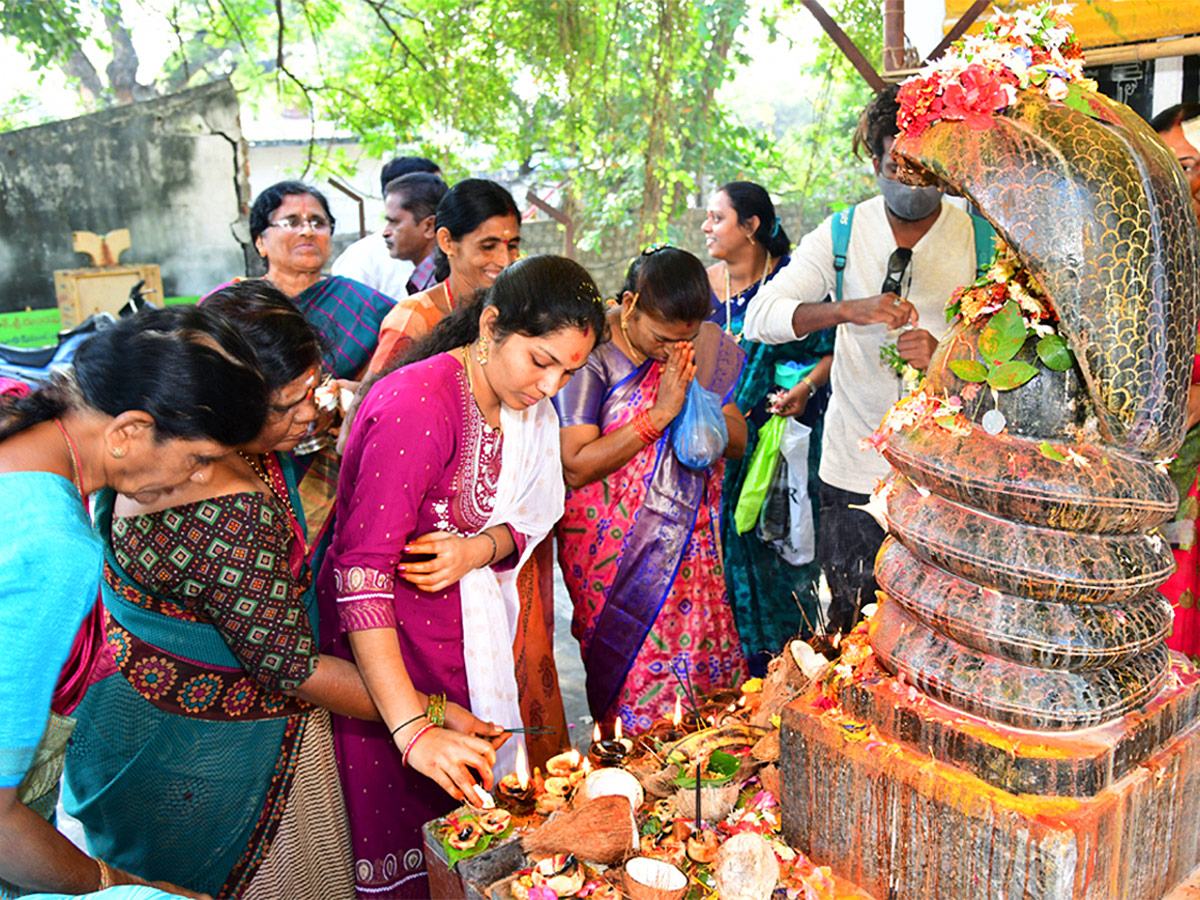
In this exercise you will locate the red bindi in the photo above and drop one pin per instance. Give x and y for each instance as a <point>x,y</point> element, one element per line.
<point>575,356</point>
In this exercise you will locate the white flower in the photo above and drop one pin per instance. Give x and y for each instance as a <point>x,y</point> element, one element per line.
<point>1056,89</point>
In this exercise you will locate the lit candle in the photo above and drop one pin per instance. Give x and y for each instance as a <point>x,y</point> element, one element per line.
<point>623,741</point>
<point>677,719</point>
<point>515,789</point>
<point>522,767</point>
<point>604,754</point>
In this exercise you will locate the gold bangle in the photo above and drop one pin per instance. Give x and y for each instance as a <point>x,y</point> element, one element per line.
<point>106,874</point>
<point>436,713</point>
<point>811,387</point>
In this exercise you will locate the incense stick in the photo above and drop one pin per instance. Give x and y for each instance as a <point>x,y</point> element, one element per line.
<point>812,631</point>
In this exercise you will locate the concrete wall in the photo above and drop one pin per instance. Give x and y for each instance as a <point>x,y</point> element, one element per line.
<point>171,170</point>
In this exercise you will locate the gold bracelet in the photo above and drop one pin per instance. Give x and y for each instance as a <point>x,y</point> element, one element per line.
<point>811,388</point>
<point>106,874</point>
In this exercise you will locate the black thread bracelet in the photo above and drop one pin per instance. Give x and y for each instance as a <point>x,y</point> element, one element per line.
<point>409,722</point>
<point>495,548</point>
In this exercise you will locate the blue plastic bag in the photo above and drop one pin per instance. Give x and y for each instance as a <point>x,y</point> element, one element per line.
<point>699,434</point>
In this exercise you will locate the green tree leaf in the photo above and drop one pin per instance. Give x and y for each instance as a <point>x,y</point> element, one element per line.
<point>1054,352</point>
<point>969,369</point>
<point>1008,375</point>
<point>1003,335</point>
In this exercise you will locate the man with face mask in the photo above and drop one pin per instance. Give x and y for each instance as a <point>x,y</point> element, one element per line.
<point>908,250</point>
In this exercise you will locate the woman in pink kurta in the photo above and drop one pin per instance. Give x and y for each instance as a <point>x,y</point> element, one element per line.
<point>451,475</point>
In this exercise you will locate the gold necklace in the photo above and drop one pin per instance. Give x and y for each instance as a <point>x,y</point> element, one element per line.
<point>261,473</point>
<point>498,429</point>
<point>728,297</point>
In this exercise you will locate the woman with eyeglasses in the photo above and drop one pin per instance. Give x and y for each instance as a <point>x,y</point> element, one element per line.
<point>639,542</point>
<point>291,227</point>
<point>743,232</point>
<point>209,759</point>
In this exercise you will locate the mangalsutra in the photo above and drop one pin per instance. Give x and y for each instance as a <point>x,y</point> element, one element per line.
<point>728,297</point>
<point>264,476</point>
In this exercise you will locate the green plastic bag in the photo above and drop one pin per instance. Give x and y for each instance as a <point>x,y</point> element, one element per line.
<point>758,475</point>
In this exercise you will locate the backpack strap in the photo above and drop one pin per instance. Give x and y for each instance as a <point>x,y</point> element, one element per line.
<point>840,225</point>
<point>985,247</point>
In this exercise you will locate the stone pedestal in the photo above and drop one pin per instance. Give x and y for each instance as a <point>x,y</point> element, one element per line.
<point>912,799</point>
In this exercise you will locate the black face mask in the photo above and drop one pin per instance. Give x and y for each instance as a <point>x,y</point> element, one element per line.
<point>908,203</point>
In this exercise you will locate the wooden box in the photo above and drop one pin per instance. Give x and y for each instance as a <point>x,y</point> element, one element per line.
<point>85,292</point>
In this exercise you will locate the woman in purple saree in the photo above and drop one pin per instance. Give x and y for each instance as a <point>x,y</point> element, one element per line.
<point>639,541</point>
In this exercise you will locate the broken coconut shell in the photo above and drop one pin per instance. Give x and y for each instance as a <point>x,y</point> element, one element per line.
<point>652,879</point>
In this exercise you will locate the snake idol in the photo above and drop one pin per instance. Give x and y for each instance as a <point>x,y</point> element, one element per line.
<point>1021,571</point>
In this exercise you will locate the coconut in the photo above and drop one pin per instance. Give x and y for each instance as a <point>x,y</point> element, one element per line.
<point>606,782</point>
<point>715,802</point>
<point>746,868</point>
<point>767,749</point>
<point>661,783</point>
<point>653,879</point>
<point>600,830</point>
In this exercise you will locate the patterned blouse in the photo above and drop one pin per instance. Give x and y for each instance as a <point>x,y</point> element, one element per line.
<point>226,561</point>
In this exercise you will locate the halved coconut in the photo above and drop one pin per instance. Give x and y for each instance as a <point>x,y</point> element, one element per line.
<point>618,782</point>
<point>653,879</point>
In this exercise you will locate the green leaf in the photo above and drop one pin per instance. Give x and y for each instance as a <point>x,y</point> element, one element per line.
<point>1008,375</point>
<point>969,369</point>
<point>721,767</point>
<point>1076,101</point>
<point>1004,334</point>
<point>722,764</point>
<point>453,854</point>
<point>1054,352</point>
<point>1049,452</point>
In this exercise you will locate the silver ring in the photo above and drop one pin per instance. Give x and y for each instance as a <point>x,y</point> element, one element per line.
<point>897,301</point>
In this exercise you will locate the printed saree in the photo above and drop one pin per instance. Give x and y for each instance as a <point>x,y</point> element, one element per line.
<point>187,766</point>
<point>640,549</point>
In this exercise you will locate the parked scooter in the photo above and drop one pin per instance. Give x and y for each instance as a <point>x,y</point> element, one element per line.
<point>33,365</point>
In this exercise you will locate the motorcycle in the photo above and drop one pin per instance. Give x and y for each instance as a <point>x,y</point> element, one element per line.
<point>34,365</point>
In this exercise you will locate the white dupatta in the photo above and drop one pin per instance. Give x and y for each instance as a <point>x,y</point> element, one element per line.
<point>530,493</point>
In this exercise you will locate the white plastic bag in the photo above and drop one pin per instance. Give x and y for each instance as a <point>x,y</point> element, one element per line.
<point>786,521</point>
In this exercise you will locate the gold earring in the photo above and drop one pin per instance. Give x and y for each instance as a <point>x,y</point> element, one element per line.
<point>481,351</point>
<point>117,452</point>
<point>750,239</point>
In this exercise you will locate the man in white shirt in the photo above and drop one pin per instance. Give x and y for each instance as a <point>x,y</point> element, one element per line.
<point>910,314</point>
<point>368,259</point>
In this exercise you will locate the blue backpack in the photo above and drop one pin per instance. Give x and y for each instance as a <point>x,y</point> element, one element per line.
<point>842,221</point>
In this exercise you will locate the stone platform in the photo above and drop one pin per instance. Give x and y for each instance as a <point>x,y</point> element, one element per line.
<point>907,797</point>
